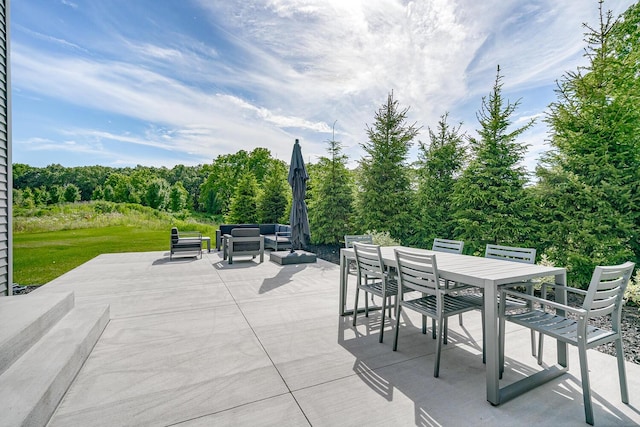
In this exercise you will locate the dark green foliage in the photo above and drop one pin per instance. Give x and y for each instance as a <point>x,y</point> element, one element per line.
<point>244,206</point>
<point>385,196</point>
<point>224,174</point>
<point>71,193</point>
<point>440,165</point>
<point>157,193</point>
<point>273,200</point>
<point>98,193</point>
<point>588,184</point>
<point>332,198</point>
<point>56,194</point>
<point>489,200</point>
<point>178,197</point>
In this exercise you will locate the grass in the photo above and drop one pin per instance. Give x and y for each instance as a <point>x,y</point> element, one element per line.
<point>49,242</point>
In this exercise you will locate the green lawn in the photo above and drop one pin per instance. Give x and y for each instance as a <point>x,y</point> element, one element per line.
<point>49,241</point>
<point>43,256</point>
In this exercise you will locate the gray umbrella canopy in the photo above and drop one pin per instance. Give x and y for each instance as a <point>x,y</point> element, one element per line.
<point>298,181</point>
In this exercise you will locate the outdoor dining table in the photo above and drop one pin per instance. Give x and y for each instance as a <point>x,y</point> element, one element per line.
<point>488,274</point>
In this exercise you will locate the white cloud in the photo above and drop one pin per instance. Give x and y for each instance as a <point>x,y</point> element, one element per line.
<point>289,68</point>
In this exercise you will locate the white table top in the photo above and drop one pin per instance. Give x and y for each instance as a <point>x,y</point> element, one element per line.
<point>473,270</point>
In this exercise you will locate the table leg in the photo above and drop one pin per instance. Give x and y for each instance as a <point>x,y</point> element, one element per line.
<point>561,297</point>
<point>491,342</point>
<point>343,283</point>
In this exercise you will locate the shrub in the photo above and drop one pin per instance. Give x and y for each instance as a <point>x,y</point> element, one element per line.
<point>383,238</point>
<point>632,293</point>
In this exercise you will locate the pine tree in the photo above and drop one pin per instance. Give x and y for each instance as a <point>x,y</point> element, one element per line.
<point>273,200</point>
<point>588,189</point>
<point>178,197</point>
<point>385,196</point>
<point>243,207</point>
<point>489,200</point>
<point>440,165</point>
<point>332,197</point>
<point>71,193</point>
<point>157,193</point>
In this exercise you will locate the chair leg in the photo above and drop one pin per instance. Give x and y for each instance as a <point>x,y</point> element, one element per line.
<point>366,304</point>
<point>460,319</point>
<point>540,347</point>
<point>501,334</point>
<point>445,332</point>
<point>533,343</point>
<point>355,307</point>
<point>622,373</point>
<point>436,366</point>
<point>384,307</point>
<point>424,324</point>
<point>395,340</point>
<point>586,387</point>
<point>433,328</point>
<point>533,333</point>
<point>484,339</point>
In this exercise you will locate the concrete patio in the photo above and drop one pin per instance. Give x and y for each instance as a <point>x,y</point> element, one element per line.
<point>197,342</point>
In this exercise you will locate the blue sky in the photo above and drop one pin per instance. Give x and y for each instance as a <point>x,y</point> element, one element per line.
<point>165,82</point>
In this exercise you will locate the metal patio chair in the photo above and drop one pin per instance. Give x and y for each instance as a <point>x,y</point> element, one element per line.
<point>373,278</point>
<point>419,272</point>
<point>515,254</point>
<point>603,297</point>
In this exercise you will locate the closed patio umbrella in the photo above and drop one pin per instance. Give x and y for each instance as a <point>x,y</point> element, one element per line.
<point>298,218</point>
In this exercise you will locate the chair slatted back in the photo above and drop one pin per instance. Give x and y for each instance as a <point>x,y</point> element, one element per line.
<point>450,246</point>
<point>511,253</point>
<point>606,290</point>
<point>349,239</point>
<point>417,271</point>
<point>368,260</point>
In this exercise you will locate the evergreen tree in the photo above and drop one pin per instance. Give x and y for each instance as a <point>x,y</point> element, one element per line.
<point>108,193</point>
<point>489,199</point>
<point>41,196</point>
<point>440,165</point>
<point>588,189</point>
<point>332,197</point>
<point>98,193</point>
<point>56,194</point>
<point>28,200</point>
<point>384,200</point>
<point>243,206</point>
<point>157,193</point>
<point>178,197</point>
<point>273,199</point>
<point>71,193</point>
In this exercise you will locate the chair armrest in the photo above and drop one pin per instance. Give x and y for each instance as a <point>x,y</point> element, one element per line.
<point>189,235</point>
<point>283,234</point>
<point>543,302</point>
<point>561,288</point>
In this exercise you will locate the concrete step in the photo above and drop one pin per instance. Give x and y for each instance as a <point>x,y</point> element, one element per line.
<point>25,319</point>
<point>33,386</point>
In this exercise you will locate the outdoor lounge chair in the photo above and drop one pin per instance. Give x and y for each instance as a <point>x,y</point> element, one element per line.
<point>243,241</point>
<point>605,296</point>
<point>189,242</point>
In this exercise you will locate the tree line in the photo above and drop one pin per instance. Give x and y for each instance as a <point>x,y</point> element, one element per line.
<point>578,209</point>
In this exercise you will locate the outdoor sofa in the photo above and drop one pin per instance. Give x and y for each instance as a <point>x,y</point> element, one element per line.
<point>276,236</point>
